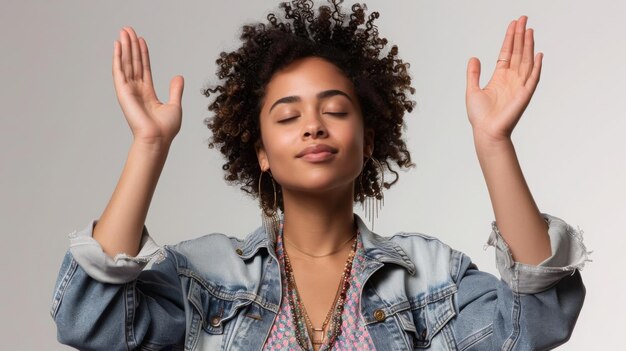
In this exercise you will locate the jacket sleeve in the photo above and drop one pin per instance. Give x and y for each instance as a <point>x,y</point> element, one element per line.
<point>530,307</point>
<point>104,303</point>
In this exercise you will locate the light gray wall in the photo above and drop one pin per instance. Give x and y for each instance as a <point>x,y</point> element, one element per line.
<point>63,139</point>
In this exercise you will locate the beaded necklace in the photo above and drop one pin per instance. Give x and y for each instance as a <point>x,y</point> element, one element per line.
<point>301,319</point>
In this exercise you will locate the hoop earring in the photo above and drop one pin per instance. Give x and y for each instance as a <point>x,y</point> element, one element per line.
<point>374,203</point>
<point>269,217</point>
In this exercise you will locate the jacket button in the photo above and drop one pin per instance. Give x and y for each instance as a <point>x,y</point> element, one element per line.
<point>239,252</point>
<point>423,334</point>
<point>379,315</point>
<point>215,321</point>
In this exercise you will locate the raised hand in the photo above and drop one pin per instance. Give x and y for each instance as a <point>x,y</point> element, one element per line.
<point>494,110</point>
<point>152,122</point>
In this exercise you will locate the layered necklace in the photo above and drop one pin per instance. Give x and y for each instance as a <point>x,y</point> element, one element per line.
<point>302,322</point>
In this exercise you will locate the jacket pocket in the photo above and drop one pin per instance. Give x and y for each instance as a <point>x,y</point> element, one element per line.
<point>427,317</point>
<point>215,306</point>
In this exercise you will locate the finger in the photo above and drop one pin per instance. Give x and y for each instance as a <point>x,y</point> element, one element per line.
<point>176,90</point>
<point>473,74</point>
<point>145,60</point>
<point>528,55</point>
<point>518,42</point>
<point>134,44</point>
<point>118,74</point>
<point>533,80</point>
<point>507,47</point>
<point>127,65</point>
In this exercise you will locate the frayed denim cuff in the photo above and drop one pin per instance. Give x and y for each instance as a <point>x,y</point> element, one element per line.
<point>120,269</point>
<point>568,254</point>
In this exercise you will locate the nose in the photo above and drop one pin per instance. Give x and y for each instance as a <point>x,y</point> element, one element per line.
<point>314,128</point>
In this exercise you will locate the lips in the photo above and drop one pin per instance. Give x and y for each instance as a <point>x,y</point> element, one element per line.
<point>316,149</point>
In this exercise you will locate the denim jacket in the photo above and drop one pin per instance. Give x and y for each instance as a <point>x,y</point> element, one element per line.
<point>221,293</point>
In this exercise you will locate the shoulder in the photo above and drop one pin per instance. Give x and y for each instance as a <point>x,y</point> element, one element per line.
<point>419,243</point>
<point>417,237</point>
<point>210,242</point>
<point>206,251</point>
<point>429,252</point>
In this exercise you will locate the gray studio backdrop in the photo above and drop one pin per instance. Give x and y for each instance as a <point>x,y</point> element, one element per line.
<point>63,139</point>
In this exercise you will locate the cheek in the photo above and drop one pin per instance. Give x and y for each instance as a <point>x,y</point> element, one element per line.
<point>353,137</point>
<point>279,148</point>
<point>354,143</point>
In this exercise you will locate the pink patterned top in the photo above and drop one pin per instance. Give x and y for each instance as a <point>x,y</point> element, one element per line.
<point>354,335</point>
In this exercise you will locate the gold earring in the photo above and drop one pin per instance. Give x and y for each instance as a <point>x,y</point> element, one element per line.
<point>374,203</point>
<point>269,217</point>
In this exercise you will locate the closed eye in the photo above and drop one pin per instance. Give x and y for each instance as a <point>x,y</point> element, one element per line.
<point>288,119</point>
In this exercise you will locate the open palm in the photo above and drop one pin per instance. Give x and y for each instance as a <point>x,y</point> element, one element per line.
<point>151,121</point>
<point>494,110</point>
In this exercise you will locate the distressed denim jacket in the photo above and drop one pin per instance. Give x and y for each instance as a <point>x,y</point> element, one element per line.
<point>221,293</point>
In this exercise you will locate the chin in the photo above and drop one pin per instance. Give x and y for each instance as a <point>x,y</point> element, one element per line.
<point>318,184</point>
<point>317,179</point>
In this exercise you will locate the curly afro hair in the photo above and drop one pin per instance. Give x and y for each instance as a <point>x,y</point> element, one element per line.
<point>381,83</point>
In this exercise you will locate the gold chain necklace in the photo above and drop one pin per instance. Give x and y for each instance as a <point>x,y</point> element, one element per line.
<point>338,300</point>
<point>319,256</point>
<point>300,317</point>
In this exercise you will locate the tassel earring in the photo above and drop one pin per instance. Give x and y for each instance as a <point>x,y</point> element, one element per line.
<point>375,202</point>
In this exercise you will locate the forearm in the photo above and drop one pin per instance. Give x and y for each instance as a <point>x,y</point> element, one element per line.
<point>517,216</point>
<point>120,227</point>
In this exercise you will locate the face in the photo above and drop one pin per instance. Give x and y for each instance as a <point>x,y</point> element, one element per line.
<point>313,138</point>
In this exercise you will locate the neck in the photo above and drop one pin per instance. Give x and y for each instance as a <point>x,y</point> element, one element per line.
<point>318,223</point>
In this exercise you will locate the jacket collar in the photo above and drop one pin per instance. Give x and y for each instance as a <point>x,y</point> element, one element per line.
<point>376,247</point>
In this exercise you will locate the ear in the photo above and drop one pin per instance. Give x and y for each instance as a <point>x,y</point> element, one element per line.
<point>368,145</point>
<point>261,156</point>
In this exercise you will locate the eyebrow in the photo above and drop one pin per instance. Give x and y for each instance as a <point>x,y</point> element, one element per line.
<point>321,95</point>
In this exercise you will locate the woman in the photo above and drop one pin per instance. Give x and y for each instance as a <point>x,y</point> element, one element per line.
<point>309,119</point>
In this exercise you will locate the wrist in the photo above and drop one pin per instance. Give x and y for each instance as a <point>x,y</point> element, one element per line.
<point>489,146</point>
<point>152,150</point>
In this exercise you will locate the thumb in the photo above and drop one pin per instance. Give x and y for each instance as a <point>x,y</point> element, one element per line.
<point>473,74</point>
<point>176,90</point>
